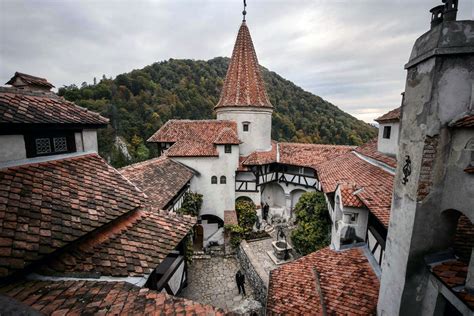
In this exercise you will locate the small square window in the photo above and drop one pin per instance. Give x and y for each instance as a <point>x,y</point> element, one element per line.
<point>354,218</point>
<point>60,144</point>
<point>43,146</point>
<point>228,149</point>
<point>246,127</point>
<point>386,132</point>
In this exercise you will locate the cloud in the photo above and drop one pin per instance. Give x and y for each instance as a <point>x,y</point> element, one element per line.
<point>349,52</point>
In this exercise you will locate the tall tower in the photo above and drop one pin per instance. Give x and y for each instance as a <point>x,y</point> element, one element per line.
<point>434,183</point>
<point>244,98</point>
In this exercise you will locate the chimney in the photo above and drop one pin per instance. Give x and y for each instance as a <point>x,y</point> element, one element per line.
<point>25,81</point>
<point>444,12</point>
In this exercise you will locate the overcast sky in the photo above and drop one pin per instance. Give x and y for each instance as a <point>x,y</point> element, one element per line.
<point>350,52</point>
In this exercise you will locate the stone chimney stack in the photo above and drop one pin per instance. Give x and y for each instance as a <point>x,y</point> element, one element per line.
<point>446,12</point>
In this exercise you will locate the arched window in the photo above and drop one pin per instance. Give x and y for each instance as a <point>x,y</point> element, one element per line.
<point>213,180</point>
<point>223,180</point>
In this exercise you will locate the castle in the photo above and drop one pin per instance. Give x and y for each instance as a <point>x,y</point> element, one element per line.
<point>401,205</point>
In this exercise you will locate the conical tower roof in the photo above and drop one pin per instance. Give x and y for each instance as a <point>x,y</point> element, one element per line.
<point>244,86</point>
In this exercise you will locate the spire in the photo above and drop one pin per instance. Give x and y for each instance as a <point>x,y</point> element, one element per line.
<point>243,84</point>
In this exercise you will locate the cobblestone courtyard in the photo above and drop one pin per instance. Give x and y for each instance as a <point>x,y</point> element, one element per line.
<point>212,281</point>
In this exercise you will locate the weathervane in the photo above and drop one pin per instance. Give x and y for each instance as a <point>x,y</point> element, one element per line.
<point>244,13</point>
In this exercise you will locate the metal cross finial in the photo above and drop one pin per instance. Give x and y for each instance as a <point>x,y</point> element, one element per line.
<point>244,13</point>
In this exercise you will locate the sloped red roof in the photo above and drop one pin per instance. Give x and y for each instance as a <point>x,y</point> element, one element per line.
<point>44,206</point>
<point>30,80</point>
<point>466,121</point>
<point>22,106</point>
<point>133,246</point>
<point>262,157</point>
<point>160,178</point>
<point>375,184</point>
<point>192,138</point>
<point>349,198</point>
<point>227,136</point>
<point>244,85</point>
<point>348,285</point>
<point>453,274</point>
<point>104,298</point>
<point>309,155</point>
<point>369,149</point>
<point>391,116</point>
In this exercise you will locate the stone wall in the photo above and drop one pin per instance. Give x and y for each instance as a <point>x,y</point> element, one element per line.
<point>254,274</point>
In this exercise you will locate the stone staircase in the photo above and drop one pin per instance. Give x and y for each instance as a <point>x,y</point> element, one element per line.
<point>200,255</point>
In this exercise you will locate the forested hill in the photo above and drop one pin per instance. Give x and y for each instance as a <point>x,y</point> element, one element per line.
<point>139,102</point>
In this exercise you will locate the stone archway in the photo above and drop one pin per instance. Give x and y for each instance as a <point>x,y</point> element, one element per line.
<point>274,195</point>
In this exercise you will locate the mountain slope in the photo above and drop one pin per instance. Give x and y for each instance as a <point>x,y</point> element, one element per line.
<point>139,102</point>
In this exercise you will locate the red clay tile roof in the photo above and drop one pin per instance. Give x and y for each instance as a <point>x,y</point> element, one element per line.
<point>349,198</point>
<point>375,183</point>
<point>227,136</point>
<point>262,157</point>
<point>160,178</point>
<point>192,138</point>
<point>453,273</point>
<point>309,155</point>
<point>20,106</point>
<point>30,80</point>
<point>304,155</point>
<point>348,285</point>
<point>391,116</point>
<point>104,298</point>
<point>44,206</point>
<point>466,121</point>
<point>230,217</point>
<point>133,246</point>
<point>369,149</point>
<point>244,85</point>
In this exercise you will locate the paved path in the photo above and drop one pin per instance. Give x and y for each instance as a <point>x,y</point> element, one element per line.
<point>212,281</point>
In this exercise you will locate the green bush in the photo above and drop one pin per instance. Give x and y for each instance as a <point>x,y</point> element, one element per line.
<point>191,205</point>
<point>314,224</point>
<point>246,214</point>
<point>236,234</point>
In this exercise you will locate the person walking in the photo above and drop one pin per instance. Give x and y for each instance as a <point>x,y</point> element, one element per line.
<point>240,280</point>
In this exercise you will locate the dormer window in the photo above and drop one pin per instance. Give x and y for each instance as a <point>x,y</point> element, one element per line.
<point>49,144</point>
<point>228,149</point>
<point>386,132</point>
<point>245,126</point>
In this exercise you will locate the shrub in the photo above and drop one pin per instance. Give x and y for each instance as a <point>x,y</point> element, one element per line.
<point>314,225</point>
<point>246,214</point>
<point>192,203</point>
<point>236,234</point>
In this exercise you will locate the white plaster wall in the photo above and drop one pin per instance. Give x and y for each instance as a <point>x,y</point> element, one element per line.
<point>389,146</point>
<point>216,197</point>
<point>78,140</point>
<point>362,220</point>
<point>254,196</point>
<point>12,147</point>
<point>90,140</point>
<point>258,138</point>
<point>274,195</point>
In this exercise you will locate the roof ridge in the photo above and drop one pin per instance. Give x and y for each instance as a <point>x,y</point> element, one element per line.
<point>143,163</point>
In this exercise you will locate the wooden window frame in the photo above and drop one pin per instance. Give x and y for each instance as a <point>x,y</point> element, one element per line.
<point>30,143</point>
<point>228,149</point>
<point>223,180</point>
<point>213,180</point>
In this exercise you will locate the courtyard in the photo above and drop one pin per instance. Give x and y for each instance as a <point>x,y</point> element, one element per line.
<point>212,281</point>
